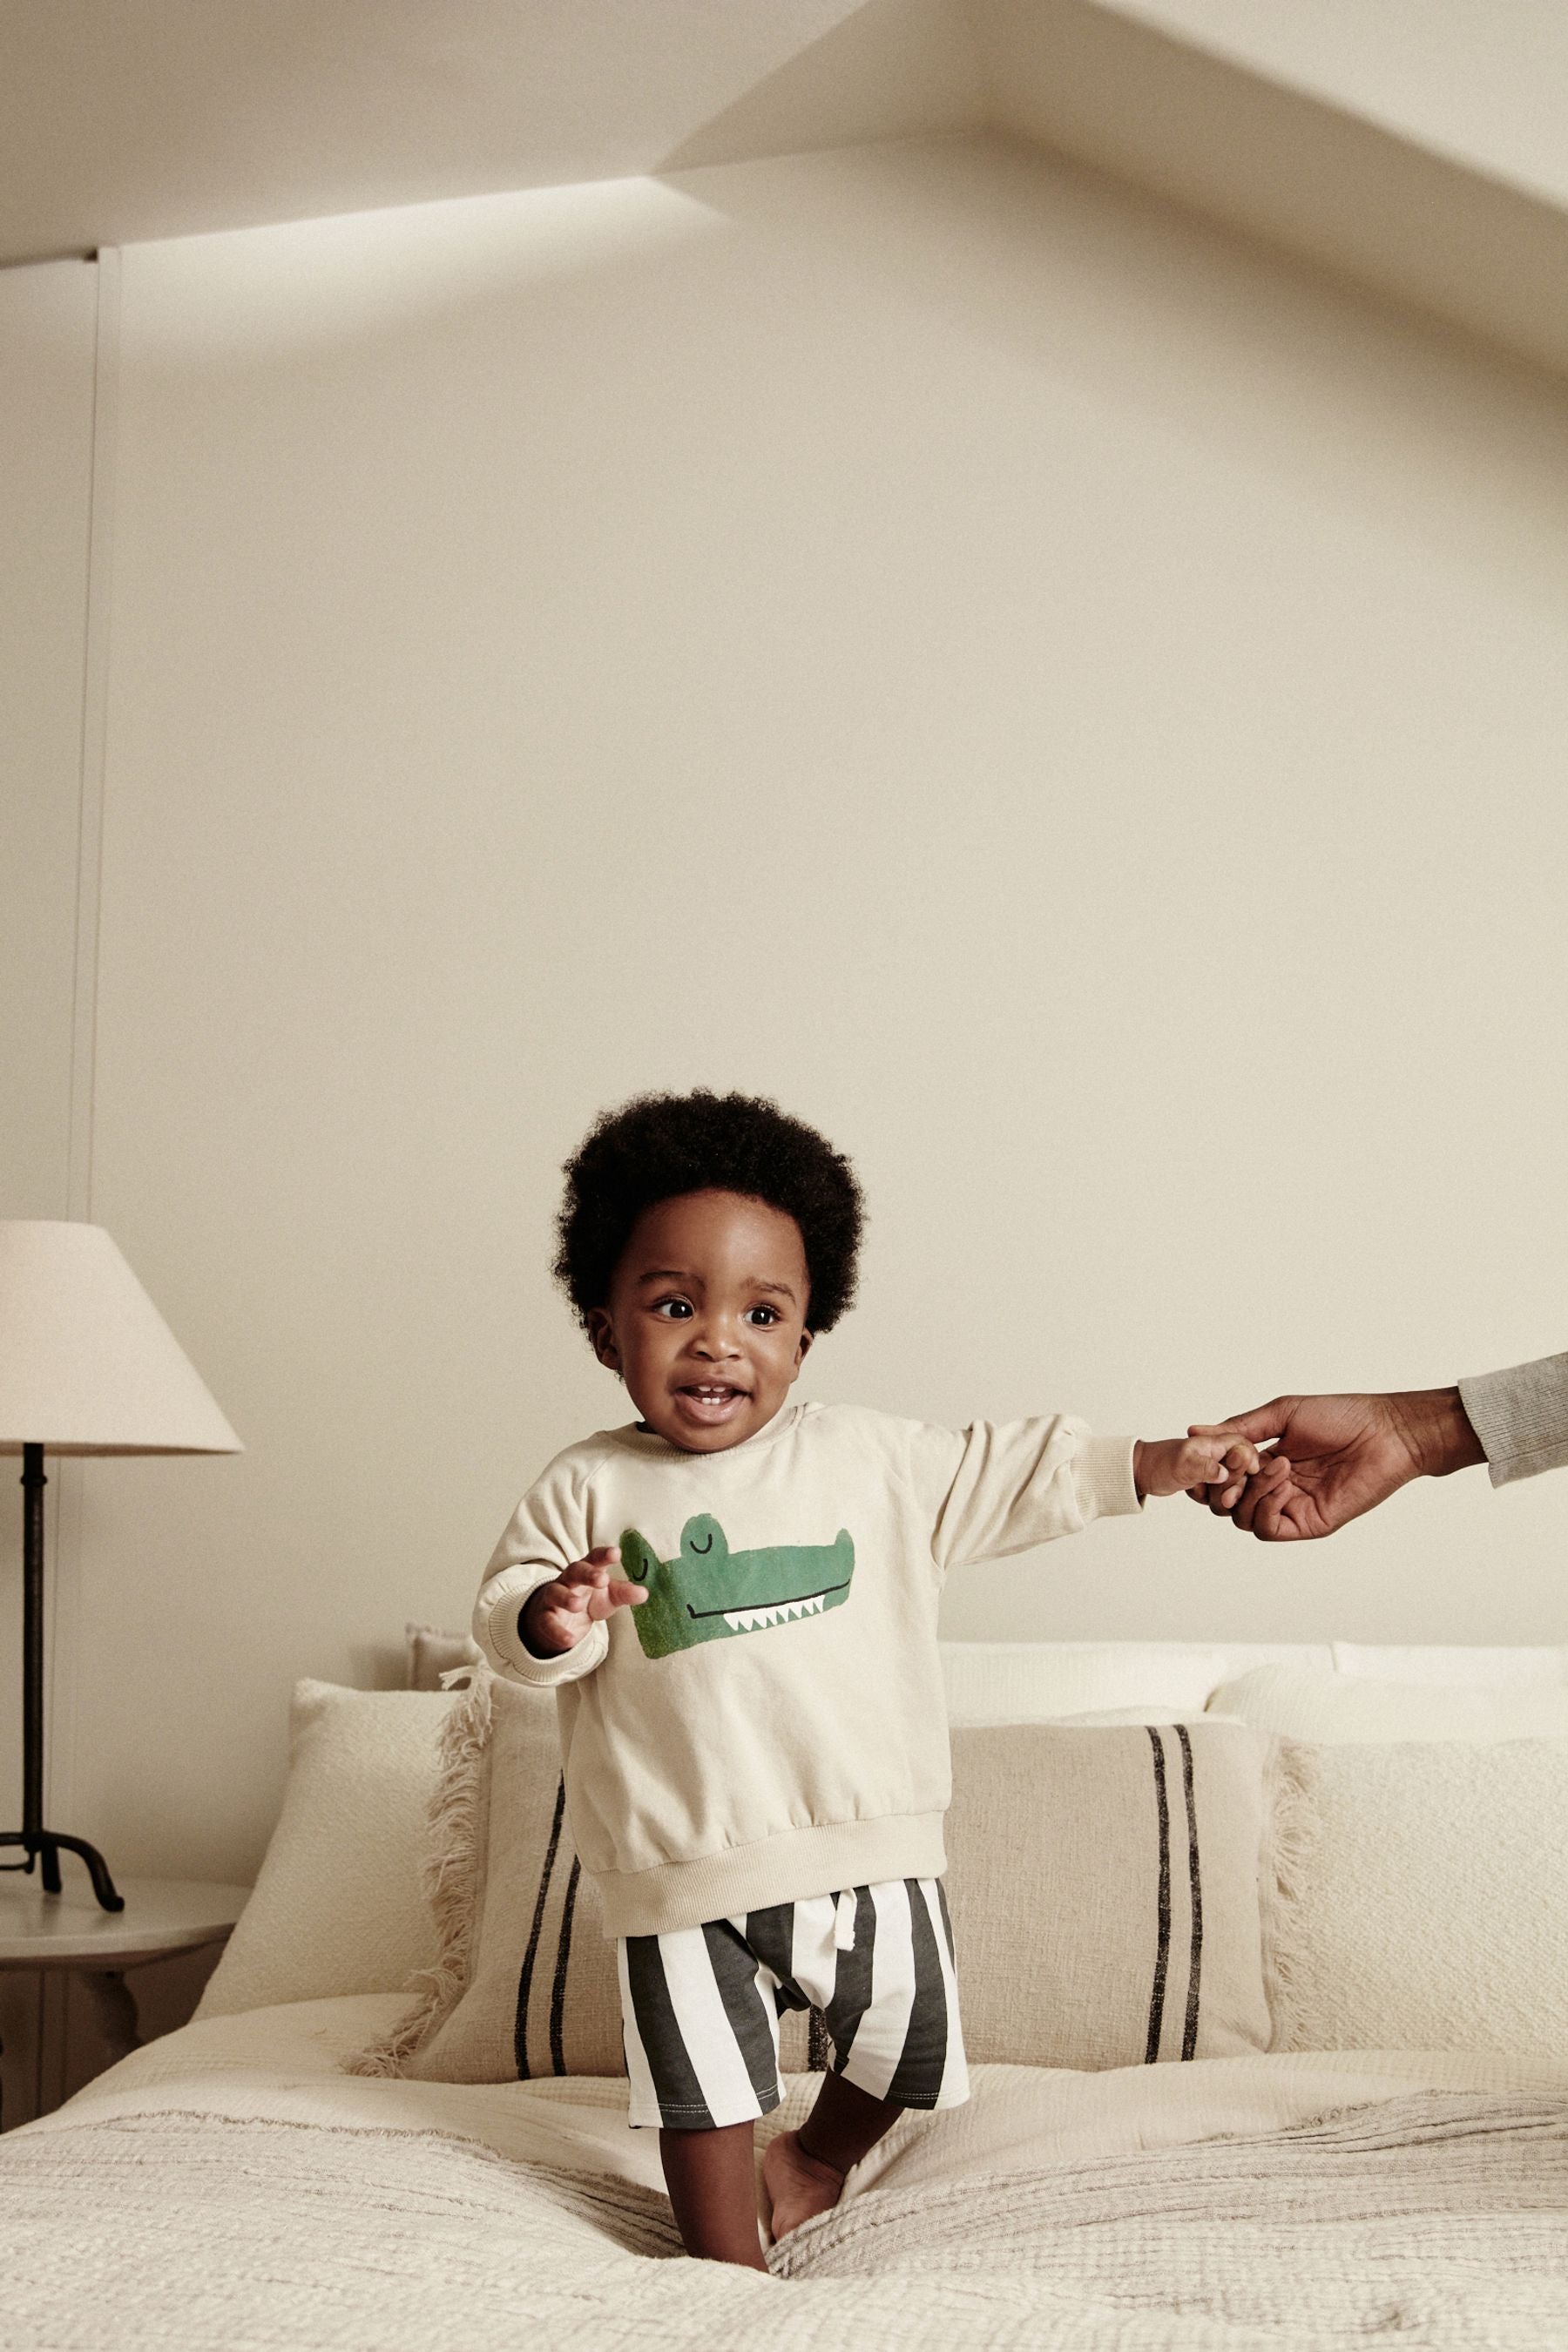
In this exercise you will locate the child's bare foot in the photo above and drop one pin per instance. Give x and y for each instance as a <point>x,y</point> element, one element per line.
<point>799,2185</point>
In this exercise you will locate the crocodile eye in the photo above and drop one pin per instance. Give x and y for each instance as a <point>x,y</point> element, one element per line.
<point>702,1547</point>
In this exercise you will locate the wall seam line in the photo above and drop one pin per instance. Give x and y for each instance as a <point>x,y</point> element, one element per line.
<point>64,1583</point>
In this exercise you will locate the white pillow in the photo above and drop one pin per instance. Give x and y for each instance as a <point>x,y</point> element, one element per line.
<point>1051,1682</point>
<point>1311,1703</point>
<point>1108,1718</point>
<point>432,1654</point>
<point>1433,1663</point>
<point>339,1906</point>
<point>1428,1902</point>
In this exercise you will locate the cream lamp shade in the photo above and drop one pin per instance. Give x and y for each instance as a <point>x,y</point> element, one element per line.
<point>87,1365</point>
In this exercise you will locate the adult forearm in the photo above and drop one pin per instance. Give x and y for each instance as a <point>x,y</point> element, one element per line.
<point>1437,1429</point>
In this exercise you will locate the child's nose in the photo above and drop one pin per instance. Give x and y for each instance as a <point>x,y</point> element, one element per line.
<point>714,1337</point>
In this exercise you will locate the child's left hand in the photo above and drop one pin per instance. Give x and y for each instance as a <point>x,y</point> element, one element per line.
<point>1174,1465</point>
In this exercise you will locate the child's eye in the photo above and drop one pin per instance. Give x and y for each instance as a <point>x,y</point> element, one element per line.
<point>767,1314</point>
<point>674,1310</point>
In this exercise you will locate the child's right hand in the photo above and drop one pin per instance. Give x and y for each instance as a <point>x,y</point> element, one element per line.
<point>556,1616</point>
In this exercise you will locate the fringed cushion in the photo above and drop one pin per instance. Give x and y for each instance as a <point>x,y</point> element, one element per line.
<point>525,1981</point>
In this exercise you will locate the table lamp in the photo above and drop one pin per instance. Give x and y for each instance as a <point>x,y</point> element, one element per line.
<point>87,1365</point>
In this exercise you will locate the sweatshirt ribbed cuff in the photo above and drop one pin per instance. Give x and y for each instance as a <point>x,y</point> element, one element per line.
<point>497,1632</point>
<point>1520,1416</point>
<point>1102,1474</point>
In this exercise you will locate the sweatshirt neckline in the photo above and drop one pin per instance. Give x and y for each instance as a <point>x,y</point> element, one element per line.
<point>648,1443</point>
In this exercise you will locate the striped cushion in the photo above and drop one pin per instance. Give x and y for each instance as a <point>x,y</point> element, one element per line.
<point>1104,1885</point>
<point>1106,1889</point>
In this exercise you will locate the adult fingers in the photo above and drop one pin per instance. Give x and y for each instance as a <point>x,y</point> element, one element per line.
<point>1262,1422</point>
<point>1218,1495</point>
<point>1270,1519</point>
<point>1271,1486</point>
<point>1246,1509</point>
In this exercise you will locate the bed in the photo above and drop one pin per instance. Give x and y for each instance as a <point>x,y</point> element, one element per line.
<point>236,2183</point>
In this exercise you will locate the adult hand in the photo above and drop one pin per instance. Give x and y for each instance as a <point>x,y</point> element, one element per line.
<point>1338,1456</point>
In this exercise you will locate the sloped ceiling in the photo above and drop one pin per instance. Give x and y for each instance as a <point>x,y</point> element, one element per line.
<point>125,120</point>
<point>1419,147</point>
<point>1483,83</point>
<point>1287,132</point>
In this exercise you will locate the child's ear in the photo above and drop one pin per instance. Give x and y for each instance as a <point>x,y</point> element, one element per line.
<point>806,1340</point>
<point>602,1332</point>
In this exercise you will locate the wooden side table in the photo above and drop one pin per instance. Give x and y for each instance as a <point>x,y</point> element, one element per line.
<point>70,1931</point>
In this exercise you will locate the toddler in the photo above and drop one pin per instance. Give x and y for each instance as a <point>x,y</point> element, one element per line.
<point>736,1597</point>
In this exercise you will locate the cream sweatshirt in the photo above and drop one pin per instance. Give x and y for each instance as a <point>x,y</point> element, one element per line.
<point>770,1724</point>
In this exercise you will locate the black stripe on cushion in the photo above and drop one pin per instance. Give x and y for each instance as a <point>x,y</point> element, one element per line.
<point>563,1960</point>
<point>1190,2029</point>
<point>1162,1938</point>
<point>525,1981</point>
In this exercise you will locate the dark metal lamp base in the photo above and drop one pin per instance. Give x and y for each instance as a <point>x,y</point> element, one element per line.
<point>39,1843</point>
<point>46,1846</point>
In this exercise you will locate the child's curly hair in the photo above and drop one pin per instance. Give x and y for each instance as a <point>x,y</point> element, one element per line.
<point>658,1146</point>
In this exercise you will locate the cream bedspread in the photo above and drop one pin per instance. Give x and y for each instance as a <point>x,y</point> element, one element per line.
<point>230,2186</point>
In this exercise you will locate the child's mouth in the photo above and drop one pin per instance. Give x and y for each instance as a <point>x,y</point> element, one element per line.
<point>711,1402</point>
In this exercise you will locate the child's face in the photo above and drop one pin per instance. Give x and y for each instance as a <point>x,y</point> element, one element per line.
<point>706,1322</point>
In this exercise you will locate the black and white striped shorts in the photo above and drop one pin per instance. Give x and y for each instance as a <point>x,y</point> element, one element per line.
<point>700,2006</point>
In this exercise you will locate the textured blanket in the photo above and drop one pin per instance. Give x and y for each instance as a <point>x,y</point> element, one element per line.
<point>230,2187</point>
<point>1440,2220</point>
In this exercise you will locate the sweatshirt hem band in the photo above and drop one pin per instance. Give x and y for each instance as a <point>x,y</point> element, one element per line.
<point>674,1895</point>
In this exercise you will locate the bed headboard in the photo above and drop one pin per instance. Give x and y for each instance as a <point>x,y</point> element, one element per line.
<point>1015,1682</point>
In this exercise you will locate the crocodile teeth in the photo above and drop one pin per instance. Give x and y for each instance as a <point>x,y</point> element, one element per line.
<point>747,1620</point>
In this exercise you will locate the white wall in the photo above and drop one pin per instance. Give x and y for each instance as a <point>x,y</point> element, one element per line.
<point>46,336</point>
<point>46,339</point>
<point>48,318</point>
<point>1070,706</point>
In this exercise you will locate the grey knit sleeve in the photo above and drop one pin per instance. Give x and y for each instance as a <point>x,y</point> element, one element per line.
<point>1520,1417</point>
